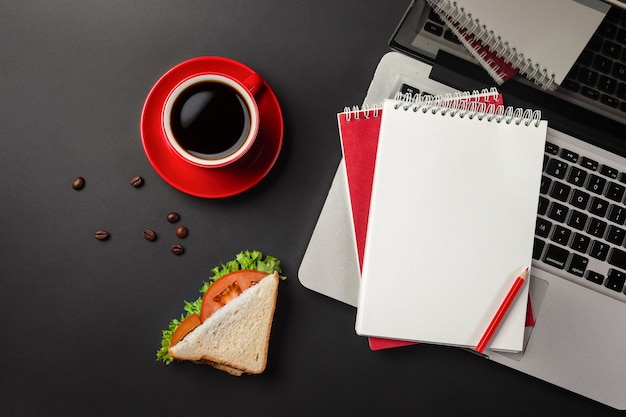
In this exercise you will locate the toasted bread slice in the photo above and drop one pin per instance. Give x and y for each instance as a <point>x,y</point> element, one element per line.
<point>236,337</point>
<point>225,368</point>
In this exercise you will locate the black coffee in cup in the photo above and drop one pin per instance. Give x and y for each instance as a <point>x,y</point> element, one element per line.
<point>210,120</point>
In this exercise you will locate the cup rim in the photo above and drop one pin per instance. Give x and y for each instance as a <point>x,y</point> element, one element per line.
<point>219,161</point>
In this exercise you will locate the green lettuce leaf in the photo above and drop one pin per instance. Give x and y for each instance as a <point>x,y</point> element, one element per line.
<point>243,261</point>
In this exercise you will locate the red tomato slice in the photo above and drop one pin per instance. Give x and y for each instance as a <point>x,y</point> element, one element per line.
<point>227,288</point>
<point>191,322</point>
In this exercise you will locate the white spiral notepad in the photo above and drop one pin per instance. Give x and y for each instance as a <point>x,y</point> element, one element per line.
<point>451,223</point>
<point>540,38</point>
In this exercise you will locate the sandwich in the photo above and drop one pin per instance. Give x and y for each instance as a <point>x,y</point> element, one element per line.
<point>229,325</point>
<point>235,338</point>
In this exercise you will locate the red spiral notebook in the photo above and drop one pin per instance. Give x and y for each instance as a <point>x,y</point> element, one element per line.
<point>358,129</point>
<point>499,68</point>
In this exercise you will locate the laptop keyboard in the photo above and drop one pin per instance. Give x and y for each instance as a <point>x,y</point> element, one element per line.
<point>580,232</point>
<point>600,72</point>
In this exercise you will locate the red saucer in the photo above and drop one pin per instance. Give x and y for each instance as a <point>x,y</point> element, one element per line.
<point>211,182</point>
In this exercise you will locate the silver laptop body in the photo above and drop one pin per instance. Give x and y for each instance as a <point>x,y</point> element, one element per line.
<point>579,337</point>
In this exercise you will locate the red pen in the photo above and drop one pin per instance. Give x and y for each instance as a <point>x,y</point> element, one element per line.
<point>504,307</point>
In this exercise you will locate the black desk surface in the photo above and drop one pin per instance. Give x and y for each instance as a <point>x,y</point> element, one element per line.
<point>82,318</point>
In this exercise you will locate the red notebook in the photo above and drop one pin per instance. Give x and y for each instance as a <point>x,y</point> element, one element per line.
<point>358,129</point>
<point>499,68</point>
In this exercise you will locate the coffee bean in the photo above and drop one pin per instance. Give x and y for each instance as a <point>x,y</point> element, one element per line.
<point>173,217</point>
<point>181,231</point>
<point>149,235</point>
<point>101,235</point>
<point>78,183</point>
<point>136,181</point>
<point>178,249</point>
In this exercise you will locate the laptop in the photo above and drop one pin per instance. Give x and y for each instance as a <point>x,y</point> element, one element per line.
<point>577,285</point>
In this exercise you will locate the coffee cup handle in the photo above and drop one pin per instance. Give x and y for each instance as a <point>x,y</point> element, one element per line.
<point>254,83</point>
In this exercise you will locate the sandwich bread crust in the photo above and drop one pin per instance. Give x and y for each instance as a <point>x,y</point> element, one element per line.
<point>235,338</point>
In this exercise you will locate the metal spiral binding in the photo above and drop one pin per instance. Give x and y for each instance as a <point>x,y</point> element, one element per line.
<point>532,71</point>
<point>367,112</point>
<point>454,105</point>
<point>354,112</point>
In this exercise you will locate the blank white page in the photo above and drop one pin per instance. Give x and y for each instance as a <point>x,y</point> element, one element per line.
<point>451,225</point>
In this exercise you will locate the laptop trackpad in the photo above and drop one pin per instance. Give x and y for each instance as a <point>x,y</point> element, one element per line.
<point>538,290</point>
<point>577,343</point>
